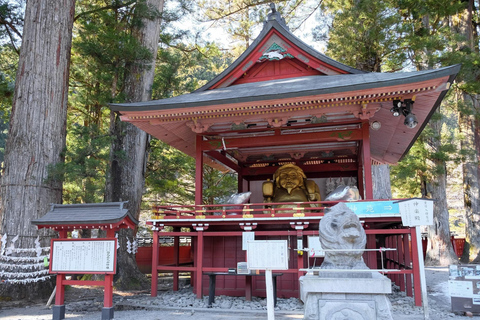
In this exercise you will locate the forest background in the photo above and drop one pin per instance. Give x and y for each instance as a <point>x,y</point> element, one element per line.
<point>196,40</point>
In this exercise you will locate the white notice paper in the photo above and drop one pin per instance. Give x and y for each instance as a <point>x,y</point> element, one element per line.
<point>462,289</point>
<point>267,254</point>
<point>416,212</point>
<point>87,256</point>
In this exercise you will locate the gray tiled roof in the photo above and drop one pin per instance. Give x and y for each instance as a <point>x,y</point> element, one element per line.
<point>287,88</point>
<point>85,213</point>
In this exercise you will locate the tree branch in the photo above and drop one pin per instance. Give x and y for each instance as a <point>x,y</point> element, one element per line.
<point>118,6</point>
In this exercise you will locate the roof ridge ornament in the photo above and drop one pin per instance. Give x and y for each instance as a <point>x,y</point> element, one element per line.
<point>275,16</point>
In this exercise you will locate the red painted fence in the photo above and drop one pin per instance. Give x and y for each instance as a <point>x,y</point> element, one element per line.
<point>144,257</point>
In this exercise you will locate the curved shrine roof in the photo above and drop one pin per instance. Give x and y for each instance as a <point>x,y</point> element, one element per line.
<point>281,86</point>
<point>85,214</point>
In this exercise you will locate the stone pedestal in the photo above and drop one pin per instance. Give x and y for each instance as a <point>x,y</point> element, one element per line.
<point>327,297</point>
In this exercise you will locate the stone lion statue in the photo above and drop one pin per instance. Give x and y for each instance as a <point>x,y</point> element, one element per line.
<point>290,185</point>
<point>340,229</point>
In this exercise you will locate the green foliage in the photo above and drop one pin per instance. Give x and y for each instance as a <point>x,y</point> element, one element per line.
<point>11,22</point>
<point>8,67</point>
<point>243,19</point>
<point>183,69</point>
<point>84,169</point>
<point>170,177</point>
<point>363,34</point>
<point>218,186</point>
<point>408,177</point>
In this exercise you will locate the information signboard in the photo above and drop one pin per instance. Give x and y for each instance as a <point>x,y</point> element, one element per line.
<point>267,254</point>
<point>374,208</point>
<point>464,288</point>
<point>83,256</point>
<point>416,212</point>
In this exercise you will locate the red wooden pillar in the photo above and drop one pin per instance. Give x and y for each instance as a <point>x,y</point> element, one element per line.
<point>199,266</point>
<point>407,261</point>
<point>401,256</point>
<point>416,268</point>
<point>155,263</point>
<point>60,291</point>
<point>372,255</point>
<point>108,282</point>
<point>300,256</point>
<point>176,258</point>
<point>198,171</point>
<point>240,182</point>
<point>367,161</point>
<point>108,291</point>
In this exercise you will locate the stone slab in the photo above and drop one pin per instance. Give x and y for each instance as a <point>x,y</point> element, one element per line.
<point>379,284</point>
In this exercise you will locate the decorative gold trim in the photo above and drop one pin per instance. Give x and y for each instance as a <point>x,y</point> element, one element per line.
<point>200,217</point>
<point>300,105</point>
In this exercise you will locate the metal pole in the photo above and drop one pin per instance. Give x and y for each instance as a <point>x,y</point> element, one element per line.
<point>270,298</point>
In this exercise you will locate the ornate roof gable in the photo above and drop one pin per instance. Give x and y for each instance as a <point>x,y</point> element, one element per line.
<point>277,54</point>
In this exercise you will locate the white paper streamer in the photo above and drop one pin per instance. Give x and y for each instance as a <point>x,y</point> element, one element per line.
<point>20,275</point>
<point>129,246</point>
<point>22,259</point>
<point>30,280</point>
<point>330,185</point>
<point>4,244</point>
<point>352,182</point>
<point>339,182</point>
<point>135,246</point>
<point>10,267</point>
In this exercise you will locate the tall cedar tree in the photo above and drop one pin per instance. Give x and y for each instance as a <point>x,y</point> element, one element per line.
<point>128,152</point>
<point>36,136</point>
<point>467,52</point>
<point>378,34</point>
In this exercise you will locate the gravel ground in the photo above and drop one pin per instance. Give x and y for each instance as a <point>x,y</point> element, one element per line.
<point>183,305</point>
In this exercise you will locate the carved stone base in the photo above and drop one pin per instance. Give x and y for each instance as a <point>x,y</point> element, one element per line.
<point>346,298</point>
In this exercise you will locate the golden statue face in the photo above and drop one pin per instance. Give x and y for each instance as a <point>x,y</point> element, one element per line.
<point>290,178</point>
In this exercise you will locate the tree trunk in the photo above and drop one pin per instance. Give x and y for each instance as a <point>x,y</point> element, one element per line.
<point>381,182</point>
<point>440,250</point>
<point>128,152</point>
<point>471,195</point>
<point>37,133</point>
<point>469,127</point>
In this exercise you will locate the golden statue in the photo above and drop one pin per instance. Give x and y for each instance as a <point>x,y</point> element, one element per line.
<point>290,185</point>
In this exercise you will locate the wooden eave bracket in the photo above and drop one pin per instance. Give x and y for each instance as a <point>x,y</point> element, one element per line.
<point>200,226</point>
<point>366,112</point>
<point>299,225</point>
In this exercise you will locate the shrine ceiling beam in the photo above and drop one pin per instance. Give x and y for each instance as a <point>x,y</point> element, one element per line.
<point>329,168</point>
<point>283,140</point>
<point>223,160</point>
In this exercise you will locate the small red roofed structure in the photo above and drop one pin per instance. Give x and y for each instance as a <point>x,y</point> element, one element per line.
<point>85,256</point>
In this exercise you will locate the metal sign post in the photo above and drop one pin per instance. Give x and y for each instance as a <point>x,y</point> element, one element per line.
<point>268,255</point>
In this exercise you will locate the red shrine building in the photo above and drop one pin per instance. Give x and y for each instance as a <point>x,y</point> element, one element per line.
<point>282,102</point>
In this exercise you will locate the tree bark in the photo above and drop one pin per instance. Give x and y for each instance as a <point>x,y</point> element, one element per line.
<point>440,250</point>
<point>381,182</point>
<point>128,151</point>
<point>37,131</point>
<point>469,127</point>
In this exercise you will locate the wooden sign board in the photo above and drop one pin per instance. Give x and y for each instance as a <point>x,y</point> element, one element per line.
<point>416,212</point>
<point>267,254</point>
<point>72,256</point>
<point>315,247</point>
